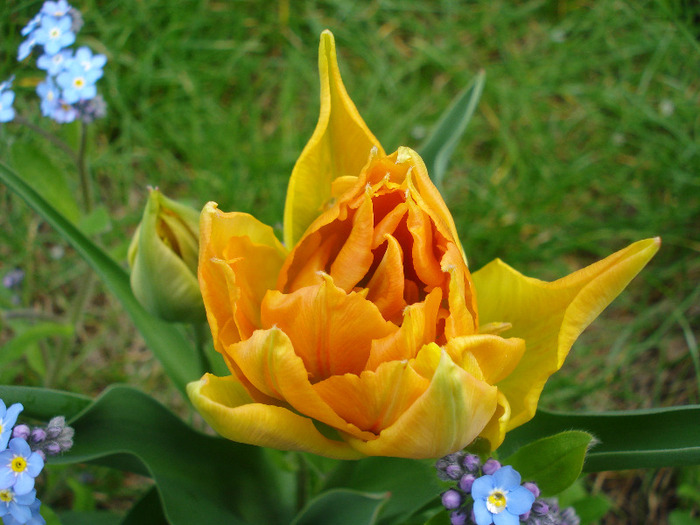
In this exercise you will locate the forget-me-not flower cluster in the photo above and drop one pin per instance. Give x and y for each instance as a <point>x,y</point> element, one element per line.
<point>69,91</point>
<point>490,493</point>
<point>23,451</point>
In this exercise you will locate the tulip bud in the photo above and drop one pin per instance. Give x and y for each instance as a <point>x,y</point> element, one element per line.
<point>163,257</point>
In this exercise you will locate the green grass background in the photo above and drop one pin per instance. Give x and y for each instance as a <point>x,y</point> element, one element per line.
<point>586,139</point>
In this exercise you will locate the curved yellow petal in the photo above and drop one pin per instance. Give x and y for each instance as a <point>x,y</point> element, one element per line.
<point>339,147</point>
<point>550,316</point>
<point>239,259</point>
<point>496,357</point>
<point>495,431</point>
<point>454,409</point>
<point>230,411</point>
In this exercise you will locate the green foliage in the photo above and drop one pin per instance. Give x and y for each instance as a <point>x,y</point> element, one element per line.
<point>438,148</point>
<point>178,357</point>
<point>553,462</point>
<point>200,479</point>
<point>589,507</point>
<point>342,507</point>
<point>627,439</point>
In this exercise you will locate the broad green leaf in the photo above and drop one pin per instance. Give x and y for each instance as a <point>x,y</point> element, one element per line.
<point>146,511</point>
<point>199,478</point>
<point>50,180</point>
<point>660,437</point>
<point>89,518</point>
<point>342,507</point>
<point>411,484</point>
<point>42,403</point>
<point>180,361</point>
<point>554,462</point>
<point>437,149</point>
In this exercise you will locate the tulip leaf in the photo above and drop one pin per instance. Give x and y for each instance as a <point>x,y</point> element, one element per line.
<point>43,403</point>
<point>659,437</point>
<point>411,483</point>
<point>89,518</point>
<point>199,478</point>
<point>166,341</point>
<point>341,507</point>
<point>553,462</point>
<point>146,511</point>
<point>437,149</point>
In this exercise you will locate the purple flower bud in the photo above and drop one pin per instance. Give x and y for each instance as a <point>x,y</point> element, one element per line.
<point>458,517</point>
<point>453,472</point>
<point>41,453</point>
<point>490,466</point>
<point>569,517</point>
<point>55,427</point>
<point>540,507</point>
<point>532,487</point>
<point>451,499</point>
<point>471,462</point>
<point>53,448</point>
<point>525,517</point>
<point>38,435</point>
<point>465,484</point>
<point>21,431</point>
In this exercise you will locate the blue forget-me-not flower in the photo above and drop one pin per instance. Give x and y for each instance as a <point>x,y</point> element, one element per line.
<point>499,498</point>
<point>54,33</point>
<point>19,466</point>
<point>8,418</point>
<point>7,98</point>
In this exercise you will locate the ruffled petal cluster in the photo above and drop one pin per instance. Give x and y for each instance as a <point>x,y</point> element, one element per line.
<point>366,333</point>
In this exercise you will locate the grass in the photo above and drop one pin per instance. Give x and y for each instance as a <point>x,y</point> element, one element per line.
<point>586,139</point>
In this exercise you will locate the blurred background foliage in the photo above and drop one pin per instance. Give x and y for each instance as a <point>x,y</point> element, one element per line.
<point>586,139</point>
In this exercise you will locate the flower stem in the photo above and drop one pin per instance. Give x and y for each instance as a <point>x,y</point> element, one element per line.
<point>48,136</point>
<point>85,182</point>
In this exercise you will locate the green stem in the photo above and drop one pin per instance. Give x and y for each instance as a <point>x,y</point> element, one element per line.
<point>302,482</point>
<point>200,340</point>
<point>48,136</point>
<point>85,182</point>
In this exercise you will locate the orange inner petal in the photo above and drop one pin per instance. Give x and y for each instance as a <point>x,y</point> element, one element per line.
<point>373,401</point>
<point>330,330</point>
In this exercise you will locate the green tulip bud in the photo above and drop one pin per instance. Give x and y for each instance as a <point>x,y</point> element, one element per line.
<point>163,257</point>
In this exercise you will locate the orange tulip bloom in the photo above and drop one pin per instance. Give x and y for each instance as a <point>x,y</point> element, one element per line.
<point>364,336</point>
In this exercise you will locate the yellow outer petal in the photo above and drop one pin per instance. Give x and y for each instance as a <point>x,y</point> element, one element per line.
<point>222,289</point>
<point>227,407</point>
<point>447,417</point>
<point>550,316</point>
<point>339,147</point>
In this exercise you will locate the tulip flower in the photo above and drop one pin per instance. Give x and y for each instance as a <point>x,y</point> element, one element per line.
<point>365,333</point>
<point>163,257</point>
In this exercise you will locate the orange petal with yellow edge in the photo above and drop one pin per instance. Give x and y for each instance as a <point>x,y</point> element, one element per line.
<point>339,147</point>
<point>331,331</point>
<point>230,411</point>
<point>355,257</point>
<point>373,401</point>
<point>417,329</point>
<point>453,410</point>
<point>268,360</point>
<point>386,285</point>
<point>549,316</point>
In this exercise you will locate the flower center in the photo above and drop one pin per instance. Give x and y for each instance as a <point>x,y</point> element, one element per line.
<point>496,501</point>
<point>54,33</point>
<point>18,464</point>
<point>6,495</point>
<point>79,82</point>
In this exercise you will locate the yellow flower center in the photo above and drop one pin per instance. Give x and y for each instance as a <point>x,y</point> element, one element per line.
<point>6,495</point>
<point>18,464</point>
<point>496,501</point>
<point>54,33</point>
<point>79,82</point>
